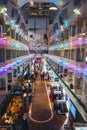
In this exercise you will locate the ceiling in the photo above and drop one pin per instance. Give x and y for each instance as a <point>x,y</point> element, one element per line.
<point>40,8</point>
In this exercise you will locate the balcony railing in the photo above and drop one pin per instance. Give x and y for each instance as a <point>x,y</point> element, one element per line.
<point>79,105</point>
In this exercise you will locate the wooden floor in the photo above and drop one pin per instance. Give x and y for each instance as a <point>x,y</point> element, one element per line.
<point>41,117</point>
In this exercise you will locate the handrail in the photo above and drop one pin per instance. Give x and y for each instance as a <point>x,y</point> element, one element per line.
<point>70,91</point>
<point>80,107</point>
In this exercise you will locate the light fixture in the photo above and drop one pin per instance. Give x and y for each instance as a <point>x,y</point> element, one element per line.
<point>31,3</point>
<point>53,8</point>
<point>25,95</point>
<point>86,59</point>
<point>77,11</point>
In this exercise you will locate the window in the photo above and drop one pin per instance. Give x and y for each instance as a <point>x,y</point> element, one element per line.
<point>2,55</point>
<point>55,26</point>
<point>20,38</point>
<point>72,30</point>
<point>12,34</point>
<point>77,2</point>
<point>61,20</point>
<point>1,31</point>
<point>17,36</point>
<point>2,84</point>
<point>79,26</point>
<point>14,72</point>
<point>8,54</point>
<point>80,54</point>
<point>72,54</point>
<point>66,34</point>
<point>18,69</point>
<point>14,12</point>
<point>13,53</point>
<point>18,53</point>
<point>66,54</point>
<point>7,30</point>
<point>64,14</point>
<point>9,75</point>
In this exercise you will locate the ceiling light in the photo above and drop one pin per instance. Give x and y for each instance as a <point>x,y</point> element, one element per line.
<point>31,3</point>
<point>77,11</point>
<point>53,8</point>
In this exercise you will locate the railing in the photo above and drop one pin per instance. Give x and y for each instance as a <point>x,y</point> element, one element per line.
<point>78,102</point>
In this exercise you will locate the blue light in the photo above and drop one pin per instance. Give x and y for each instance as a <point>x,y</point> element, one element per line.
<point>13,23</point>
<point>66,44</point>
<point>57,47</point>
<point>66,23</point>
<point>14,64</point>
<point>65,63</point>
<point>85,74</point>
<point>13,44</point>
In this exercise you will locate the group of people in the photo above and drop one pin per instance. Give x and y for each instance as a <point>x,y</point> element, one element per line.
<point>44,75</point>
